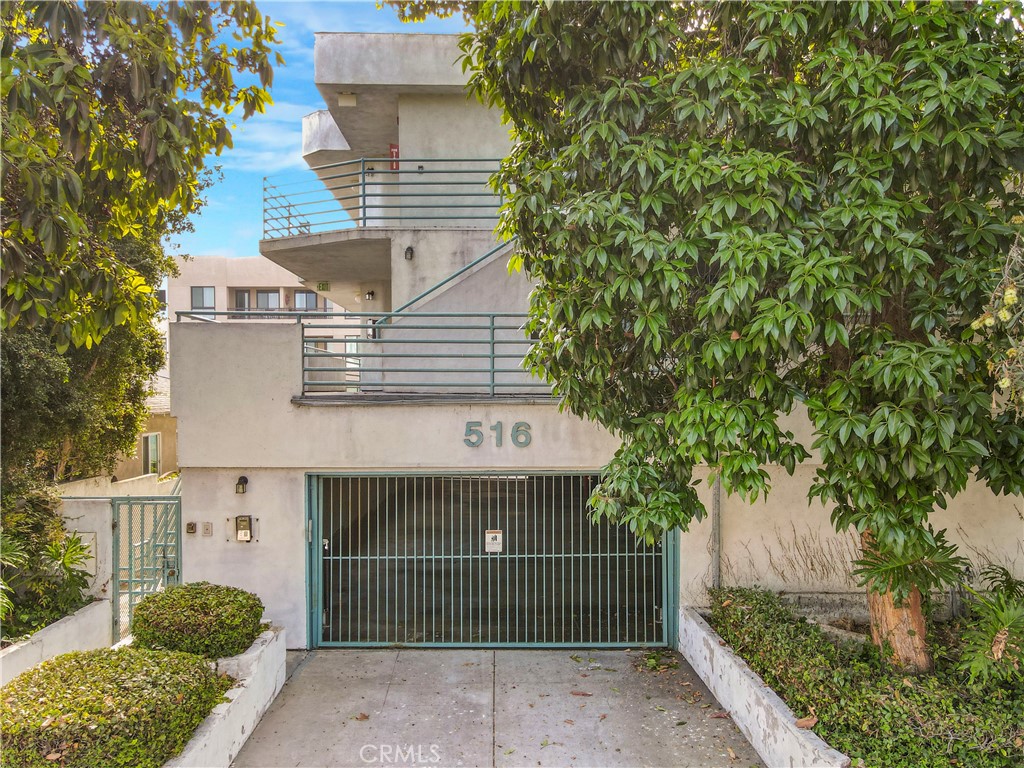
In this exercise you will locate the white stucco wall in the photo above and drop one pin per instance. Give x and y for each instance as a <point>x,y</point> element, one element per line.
<point>450,126</point>
<point>437,254</point>
<point>92,520</point>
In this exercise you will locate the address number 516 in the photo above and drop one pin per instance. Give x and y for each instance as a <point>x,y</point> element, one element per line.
<point>520,434</point>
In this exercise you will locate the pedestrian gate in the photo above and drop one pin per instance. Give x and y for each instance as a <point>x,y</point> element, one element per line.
<point>485,560</point>
<point>147,552</point>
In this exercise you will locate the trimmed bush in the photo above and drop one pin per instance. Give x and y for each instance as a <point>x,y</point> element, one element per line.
<point>876,716</point>
<point>207,619</point>
<point>109,707</point>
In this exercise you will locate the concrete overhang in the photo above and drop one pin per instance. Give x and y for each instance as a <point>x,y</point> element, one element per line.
<point>371,70</point>
<point>348,255</point>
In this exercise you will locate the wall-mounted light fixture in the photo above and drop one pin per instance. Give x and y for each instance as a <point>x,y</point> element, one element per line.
<point>346,99</point>
<point>409,253</point>
<point>241,483</point>
<point>369,295</point>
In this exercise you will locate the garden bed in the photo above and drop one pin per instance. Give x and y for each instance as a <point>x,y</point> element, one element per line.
<point>259,673</point>
<point>766,721</point>
<point>843,692</point>
<point>87,628</point>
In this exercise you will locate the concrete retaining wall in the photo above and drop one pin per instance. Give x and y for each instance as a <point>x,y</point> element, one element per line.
<point>143,485</point>
<point>260,673</point>
<point>756,709</point>
<point>88,628</point>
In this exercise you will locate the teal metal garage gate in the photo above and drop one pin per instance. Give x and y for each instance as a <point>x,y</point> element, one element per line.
<point>484,560</point>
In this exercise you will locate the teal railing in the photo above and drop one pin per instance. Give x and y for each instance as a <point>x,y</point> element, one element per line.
<point>380,192</point>
<point>412,353</point>
<point>463,353</point>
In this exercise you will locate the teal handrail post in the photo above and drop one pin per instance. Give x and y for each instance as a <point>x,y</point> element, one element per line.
<point>362,189</point>
<point>493,362</point>
<point>265,207</point>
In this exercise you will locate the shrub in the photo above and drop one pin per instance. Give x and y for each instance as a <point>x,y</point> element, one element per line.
<point>42,577</point>
<point>110,707</point>
<point>211,620</point>
<point>873,714</point>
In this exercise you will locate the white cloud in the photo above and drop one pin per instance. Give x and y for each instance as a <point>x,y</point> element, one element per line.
<point>270,142</point>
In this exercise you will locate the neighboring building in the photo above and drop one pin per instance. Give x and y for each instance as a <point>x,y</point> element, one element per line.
<point>156,450</point>
<point>390,474</point>
<point>242,286</point>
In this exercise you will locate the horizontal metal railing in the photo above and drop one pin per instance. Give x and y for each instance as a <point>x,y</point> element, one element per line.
<point>464,353</point>
<point>411,353</point>
<point>380,192</point>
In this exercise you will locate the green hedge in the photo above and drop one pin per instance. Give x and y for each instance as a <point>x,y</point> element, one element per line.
<point>207,619</point>
<point>124,707</point>
<point>864,710</point>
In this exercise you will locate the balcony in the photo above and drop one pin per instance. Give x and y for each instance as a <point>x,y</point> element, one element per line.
<point>410,356</point>
<point>383,193</point>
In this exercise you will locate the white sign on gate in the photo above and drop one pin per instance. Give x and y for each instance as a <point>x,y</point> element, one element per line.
<point>492,541</point>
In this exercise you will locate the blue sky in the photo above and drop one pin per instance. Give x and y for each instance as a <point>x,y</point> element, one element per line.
<point>267,144</point>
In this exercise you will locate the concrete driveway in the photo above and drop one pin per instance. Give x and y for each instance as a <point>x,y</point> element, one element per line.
<point>495,708</point>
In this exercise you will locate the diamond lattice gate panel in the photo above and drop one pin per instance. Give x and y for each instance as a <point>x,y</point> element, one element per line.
<point>147,555</point>
<point>479,560</point>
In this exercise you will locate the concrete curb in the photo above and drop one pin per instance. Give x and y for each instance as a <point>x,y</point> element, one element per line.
<point>260,672</point>
<point>756,709</point>
<point>87,628</point>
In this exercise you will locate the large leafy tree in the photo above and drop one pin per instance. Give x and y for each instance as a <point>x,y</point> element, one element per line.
<point>76,413</point>
<point>109,111</point>
<point>738,211</point>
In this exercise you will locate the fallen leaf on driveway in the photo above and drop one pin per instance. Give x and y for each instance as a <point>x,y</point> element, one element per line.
<point>569,722</point>
<point>602,717</point>
<point>732,755</point>
<point>719,715</point>
<point>807,722</point>
<point>361,716</point>
<point>580,693</point>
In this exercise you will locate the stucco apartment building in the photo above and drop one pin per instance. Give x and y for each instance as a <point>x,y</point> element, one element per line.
<point>387,473</point>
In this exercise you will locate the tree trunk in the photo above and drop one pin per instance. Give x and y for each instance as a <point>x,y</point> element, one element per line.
<point>900,630</point>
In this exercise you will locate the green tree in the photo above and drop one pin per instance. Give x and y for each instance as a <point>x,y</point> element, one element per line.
<point>109,112</point>
<point>739,211</point>
<point>76,413</point>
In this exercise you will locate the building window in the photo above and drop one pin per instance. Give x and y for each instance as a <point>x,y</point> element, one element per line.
<point>151,454</point>
<point>242,300</point>
<point>268,300</point>
<point>305,301</point>
<point>202,297</point>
